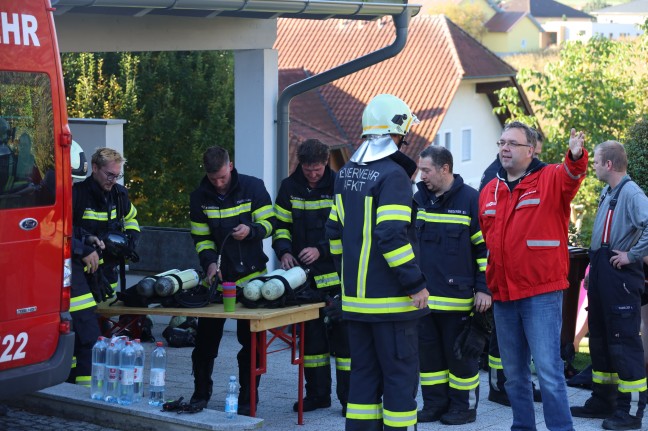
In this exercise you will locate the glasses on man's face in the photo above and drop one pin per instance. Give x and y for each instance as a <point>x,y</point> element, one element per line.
<point>112,177</point>
<point>511,144</point>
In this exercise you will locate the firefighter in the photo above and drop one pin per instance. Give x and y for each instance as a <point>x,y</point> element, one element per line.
<point>85,260</point>
<point>302,208</point>
<point>384,291</point>
<point>230,214</point>
<point>101,207</point>
<point>616,283</point>
<point>453,259</point>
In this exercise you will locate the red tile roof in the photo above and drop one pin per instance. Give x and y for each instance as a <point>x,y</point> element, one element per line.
<point>426,74</point>
<point>503,22</point>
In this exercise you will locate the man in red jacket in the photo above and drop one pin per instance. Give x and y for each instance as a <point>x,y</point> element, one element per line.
<point>524,215</point>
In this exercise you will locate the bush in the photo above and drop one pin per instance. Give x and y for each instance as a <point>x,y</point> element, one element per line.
<point>637,148</point>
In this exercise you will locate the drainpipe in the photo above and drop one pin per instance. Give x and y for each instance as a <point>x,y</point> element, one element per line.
<point>401,23</point>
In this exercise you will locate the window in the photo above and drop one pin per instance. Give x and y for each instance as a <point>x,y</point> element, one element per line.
<point>466,145</point>
<point>448,140</point>
<point>436,140</point>
<point>27,176</point>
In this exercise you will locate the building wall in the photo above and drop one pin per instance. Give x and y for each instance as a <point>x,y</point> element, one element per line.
<point>523,37</point>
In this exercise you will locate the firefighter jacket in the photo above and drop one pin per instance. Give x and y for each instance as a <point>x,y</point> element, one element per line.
<point>452,251</point>
<point>371,234</point>
<point>213,217</point>
<point>97,212</point>
<point>526,228</point>
<point>301,214</point>
<point>80,296</point>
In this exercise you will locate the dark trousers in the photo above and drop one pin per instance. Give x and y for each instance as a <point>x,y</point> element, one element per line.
<point>86,332</point>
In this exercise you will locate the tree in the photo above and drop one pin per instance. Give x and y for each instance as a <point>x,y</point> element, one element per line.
<point>470,17</point>
<point>637,149</point>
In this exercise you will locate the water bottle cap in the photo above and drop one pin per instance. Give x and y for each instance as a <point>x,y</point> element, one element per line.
<point>232,377</point>
<point>159,343</point>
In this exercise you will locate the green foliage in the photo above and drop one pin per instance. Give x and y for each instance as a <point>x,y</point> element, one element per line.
<point>470,17</point>
<point>599,87</point>
<point>177,104</point>
<point>637,149</point>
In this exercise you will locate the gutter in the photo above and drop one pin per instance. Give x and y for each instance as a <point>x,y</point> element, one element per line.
<point>401,23</point>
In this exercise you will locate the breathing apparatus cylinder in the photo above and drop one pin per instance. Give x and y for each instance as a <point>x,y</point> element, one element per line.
<point>273,289</point>
<point>252,289</point>
<point>145,287</point>
<point>170,284</point>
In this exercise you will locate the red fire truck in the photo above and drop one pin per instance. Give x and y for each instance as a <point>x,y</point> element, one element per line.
<point>36,338</point>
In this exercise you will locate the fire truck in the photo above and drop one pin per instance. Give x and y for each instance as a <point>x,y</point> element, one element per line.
<point>36,338</point>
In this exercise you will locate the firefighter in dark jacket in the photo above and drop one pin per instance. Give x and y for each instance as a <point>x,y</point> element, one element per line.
<point>230,214</point>
<point>85,260</point>
<point>101,207</point>
<point>452,254</point>
<point>384,291</point>
<point>302,208</point>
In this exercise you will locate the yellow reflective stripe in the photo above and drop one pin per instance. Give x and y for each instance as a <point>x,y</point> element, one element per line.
<point>311,205</point>
<point>314,361</point>
<point>477,238</point>
<point>267,226</point>
<point>364,411</point>
<point>74,362</point>
<point>132,212</point>
<point>377,305</point>
<point>82,302</point>
<point>200,228</point>
<point>605,378</point>
<point>365,248</point>
<point>335,245</point>
<point>89,214</point>
<point>249,277</point>
<point>481,264</point>
<point>228,212</point>
<point>326,280</point>
<point>131,225</point>
<point>205,245</point>
<point>463,384</point>
<point>399,256</point>
<point>262,213</point>
<point>393,213</point>
<point>632,386</point>
<point>443,218</point>
<point>343,364</point>
<point>281,234</point>
<point>283,214</point>
<point>434,378</point>
<point>450,304</point>
<point>399,419</point>
<point>333,214</point>
<point>340,208</point>
<point>82,380</point>
<point>495,362</point>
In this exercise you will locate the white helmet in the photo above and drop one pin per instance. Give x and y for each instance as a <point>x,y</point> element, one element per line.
<point>386,114</point>
<point>78,162</point>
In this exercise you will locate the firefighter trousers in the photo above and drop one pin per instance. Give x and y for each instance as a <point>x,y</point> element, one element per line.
<point>208,338</point>
<point>496,376</point>
<point>86,332</point>
<point>384,375</point>
<point>447,383</point>
<point>614,317</point>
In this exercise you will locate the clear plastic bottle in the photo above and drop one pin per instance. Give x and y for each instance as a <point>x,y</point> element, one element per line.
<point>126,374</point>
<point>112,369</point>
<point>97,379</point>
<point>157,375</point>
<point>138,389</point>
<point>231,400</point>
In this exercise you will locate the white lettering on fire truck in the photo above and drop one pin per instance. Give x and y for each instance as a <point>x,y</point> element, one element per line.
<point>18,29</point>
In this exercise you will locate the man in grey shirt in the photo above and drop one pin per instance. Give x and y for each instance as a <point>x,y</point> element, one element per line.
<point>616,282</point>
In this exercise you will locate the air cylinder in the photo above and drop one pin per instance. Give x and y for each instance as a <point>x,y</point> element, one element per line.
<point>252,289</point>
<point>273,289</point>
<point>145,287</point>
<point>170,284</point>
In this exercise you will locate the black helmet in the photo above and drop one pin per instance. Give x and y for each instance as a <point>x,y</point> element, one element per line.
<point>119,245</point>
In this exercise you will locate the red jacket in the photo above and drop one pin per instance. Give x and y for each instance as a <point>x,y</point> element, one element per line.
<point>526,229</point>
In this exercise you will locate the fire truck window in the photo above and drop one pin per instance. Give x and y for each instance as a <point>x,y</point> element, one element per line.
<point>27,169</point>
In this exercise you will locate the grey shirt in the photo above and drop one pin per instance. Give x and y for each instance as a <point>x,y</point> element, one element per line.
<point>629,221</point>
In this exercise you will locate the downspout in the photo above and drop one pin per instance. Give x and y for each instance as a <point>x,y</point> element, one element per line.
<point>401,23</point>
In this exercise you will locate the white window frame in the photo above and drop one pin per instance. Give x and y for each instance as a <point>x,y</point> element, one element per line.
<point>466,147</point>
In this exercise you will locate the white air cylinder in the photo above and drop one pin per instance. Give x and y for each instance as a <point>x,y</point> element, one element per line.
<point>170,284</point>
<point>273,289</point>
<point>145,287</point>
<point>252,289</point>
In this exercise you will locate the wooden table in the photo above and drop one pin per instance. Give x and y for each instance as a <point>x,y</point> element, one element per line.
<point>261,320</point>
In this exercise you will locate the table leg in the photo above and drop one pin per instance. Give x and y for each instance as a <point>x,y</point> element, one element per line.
<point>300,379</point>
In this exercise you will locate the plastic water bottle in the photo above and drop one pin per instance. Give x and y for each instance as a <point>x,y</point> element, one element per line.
<point>231,401</point>
<point>126,375</point>
<point>158,375</point>
<point>112,369</point>
<point>138,389</point>
<point>97,380</point>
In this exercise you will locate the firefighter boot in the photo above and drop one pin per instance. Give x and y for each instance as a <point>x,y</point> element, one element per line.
<point>318,389</point>
<point>622,421</point>
<point>202,371</point>
<point>601,405</point>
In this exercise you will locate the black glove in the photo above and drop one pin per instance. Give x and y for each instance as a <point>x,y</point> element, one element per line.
<point>471,341</point>
<point>333,310</point>
<point>100,287</point>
